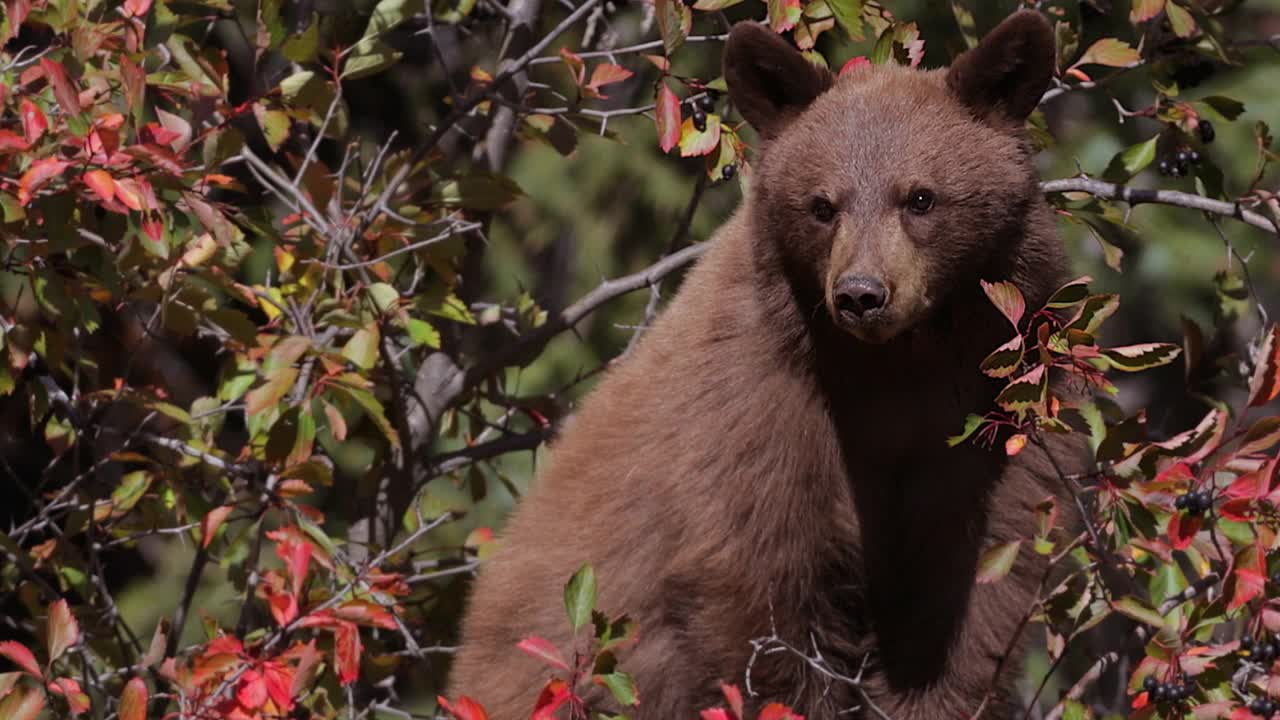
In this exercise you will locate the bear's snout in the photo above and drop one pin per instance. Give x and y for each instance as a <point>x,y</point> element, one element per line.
<point>858,298</point>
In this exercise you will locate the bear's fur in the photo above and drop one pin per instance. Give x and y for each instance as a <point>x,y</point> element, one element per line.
<point>768,459</point>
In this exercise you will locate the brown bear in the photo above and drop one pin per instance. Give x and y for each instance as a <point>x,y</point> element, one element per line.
<point>773,457</point>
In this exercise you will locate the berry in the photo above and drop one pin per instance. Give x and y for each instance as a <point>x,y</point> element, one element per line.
<point>1206,132</point>
<point>1166,168</point>
<point>707,103</point>
<point>1275,579</point>
<point>729,171</point>
<point>1193,157</point>
<point>1246,642</point>
<point>1160,694</point>
<point>1179,502</point>
<point>1150,683</point>
<point>699,120</point>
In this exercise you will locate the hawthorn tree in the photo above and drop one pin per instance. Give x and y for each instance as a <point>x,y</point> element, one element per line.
<point>292,294</point>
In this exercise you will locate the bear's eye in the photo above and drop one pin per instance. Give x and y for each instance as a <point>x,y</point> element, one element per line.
<point>920,201</point>
<point>822,209</point>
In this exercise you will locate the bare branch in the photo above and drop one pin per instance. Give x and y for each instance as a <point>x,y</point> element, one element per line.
<point>1139,196</point>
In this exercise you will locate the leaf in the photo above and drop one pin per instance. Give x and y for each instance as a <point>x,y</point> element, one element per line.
<point>346,651</point>
<point>269,394</point>
<point>133,701</point>
<point>1132,607</point>
<point>621,686</point>
<point>1144,10</point>
<point>275,125</point>
<point>21,656</point>
<point>1184,26</point>
<point>101,183</point>
<point>1262,435</point>
<point>1249,579</point>
<point>784,14</point>
<point>544,650</point>
<point>34,122</point>
<point>39,174</point>
<point>63,631</point>
<point>1025,392</point>
<point>1094,312</point>
<point>362,348</point>
<point>1133,358</point>
<point>1007,299</point>
<point>464,708</point>
<point>1182,530</point>
<point>1131,160</point>
<point>1110,52</point>
<point>1015,444</point>
<point>695,143</point>
<point>674,23</point>
<point>1228,108</point>
<point>69,689</point>
<point>1070,294</point>
<point>63,90</point>
<point>778,711</point>
<point>997,562</point>
<point>580,596</point>
<point>971,425</point>
<point>1264,385</point>
<point>23,705</point>
<point>964,20</point>
<point>210,523</point>
<point>337,423</point>
<point>667,118</point>
<point>378,57</point>
<point>848,14</point>
<point>1004,360</point>
<point>607,74</point>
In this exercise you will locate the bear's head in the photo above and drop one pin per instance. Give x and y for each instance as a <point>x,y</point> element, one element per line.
<point>881,191</point>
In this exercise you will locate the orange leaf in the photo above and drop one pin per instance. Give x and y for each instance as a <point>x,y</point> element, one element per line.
<point>136,8</point>
<point>36,176</point>
<point>21,656</point>
<point>1182,529</point>
<point>22,705</point>
<point>464,708</point>
<point>366,613</point>
<point>733,696</point>
<point>667,117</point>
<point>34,123</point>
<point>133,701</point>
<point>10,140</point>
<point>346,650</point>
<point>553,695</point>
<point>63,630</point>
<point>101,183</point>
<point>1265,383</point>
<point>1014,444</point>
<point>778,711</point>
<point>76,698</point>
<point>210,523</point>
<point>607,74</point>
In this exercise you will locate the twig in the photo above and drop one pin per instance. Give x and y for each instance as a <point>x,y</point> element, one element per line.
<point>1139,196</point>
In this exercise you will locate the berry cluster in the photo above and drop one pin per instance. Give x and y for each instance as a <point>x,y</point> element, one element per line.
<point>1180,161</point>
<point>1206,132</point>
<point>1193,73</point>
<point>1196,501</point>
<point>1262,650</point>
<point>1162,693</point>
<point>703,105</point>
<point>1263,707</point>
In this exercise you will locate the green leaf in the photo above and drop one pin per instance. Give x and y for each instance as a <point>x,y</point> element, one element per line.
<point>1224,107</point>
<point>362,348</point>
<point>1095,311</point>
<point>997,562</point>
<point>1131,161</point>
<point>387,14</point>
<point>621,686</point>
<point>422,332</point>
<point>275,125</point>
<point>269,394</point>
<point>964,19</point>
<point>1004,360</point>
<point>580,596</point>
<point>1133,358</point>
<point>303,47</point>
<point>674,23</point>
<point>1184,26</point>
<point>1132,607</point>
<point>694,142</point>
<point>130,490</point>
<point>848,14</point>
<point>378,57</point>
<point>353,388</point>
<point>478,191</point>
<point>971,425</point>
<point>1110,52</point>
<point>1026,392</point>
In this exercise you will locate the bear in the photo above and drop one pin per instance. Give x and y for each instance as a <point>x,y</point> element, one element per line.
<point>771,460</point>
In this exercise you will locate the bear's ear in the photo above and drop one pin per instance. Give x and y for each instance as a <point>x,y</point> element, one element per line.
<point>1007,73</point>
<point>769,81</point>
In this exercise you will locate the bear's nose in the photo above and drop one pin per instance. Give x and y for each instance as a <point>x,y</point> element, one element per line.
<point>859,295</point>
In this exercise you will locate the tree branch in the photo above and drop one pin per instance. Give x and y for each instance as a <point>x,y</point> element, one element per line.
<point>1139,196</point>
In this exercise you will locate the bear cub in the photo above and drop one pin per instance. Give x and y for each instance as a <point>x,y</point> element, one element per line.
<point>773,457</point>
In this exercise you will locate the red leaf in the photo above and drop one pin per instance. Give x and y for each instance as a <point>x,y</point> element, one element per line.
<point>279,681</point>
<point>17,10</point>
<point>577,67</point>
<point>1182,529</point>
<point>284,607</point>
<point>21,657</point>
<point>1249,578</point>
<point>854,63</point>
<point>153,226</point>
<point>544,650</point>
<point>40,172</point>
<point>778,711</point>
<point>667,117</point>
<point>346,650</point>
<point>63,90</point>
<point>252,693</point>
<point>297,558</point>
<point>1007,298</point>
<point>34,123</point>
<point>1014,444</point>
<point>367,613</point>
<point>1265,383</point>
<point>733,696</point>
<point>10,140</point>
<point>76,698</point>
<point>553,695</point>
<point>464,708</point>
<point>136,8</point>
<point>717,714</point>
<point>63,630</point>
<point>133,701</point>
<point>210,523</point>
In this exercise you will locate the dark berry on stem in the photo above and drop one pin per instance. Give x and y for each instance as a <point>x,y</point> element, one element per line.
<point>1166,168</point>
<point>699,120</point>
<point>1179,502</point>
<point>729,171</point>
<point>1206,132</point>
<point>1150,683</point>
<point>707,103</point>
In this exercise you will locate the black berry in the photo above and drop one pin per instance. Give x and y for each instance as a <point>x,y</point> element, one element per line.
<point>1179,502</point>
<point>1193,157</point>
<point>1206,132</point>
<point>728,171</point>
<point>699,120</point>
<point>1160,694</point>
<point>1150,683</point>
<point>707,103</point>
